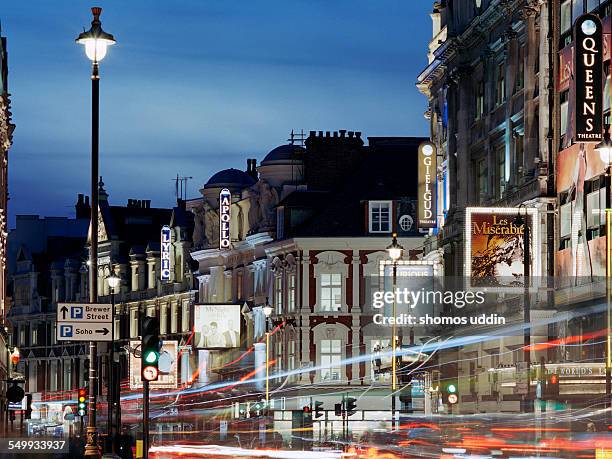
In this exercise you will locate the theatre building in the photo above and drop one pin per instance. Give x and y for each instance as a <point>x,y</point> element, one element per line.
<point>309,228</point>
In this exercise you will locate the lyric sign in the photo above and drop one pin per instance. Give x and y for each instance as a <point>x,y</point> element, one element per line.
<point>427,185</point>
<point>166,240</point>
<point>588,68</point>
<point>225,205</point>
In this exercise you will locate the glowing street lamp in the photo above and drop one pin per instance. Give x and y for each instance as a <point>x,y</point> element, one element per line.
<point>96,40</point>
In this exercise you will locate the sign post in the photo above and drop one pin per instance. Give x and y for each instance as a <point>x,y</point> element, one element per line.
<point>84,322</point>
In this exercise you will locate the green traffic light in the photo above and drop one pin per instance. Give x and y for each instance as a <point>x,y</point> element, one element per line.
<point>151,357</point>
<point>452,389</point>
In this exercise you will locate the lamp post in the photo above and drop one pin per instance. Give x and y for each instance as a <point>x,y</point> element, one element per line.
<point>96,42</point>
<point>604,148</point>
<point>395,251</point>
<point>267,309</point>
<point>113,282</point>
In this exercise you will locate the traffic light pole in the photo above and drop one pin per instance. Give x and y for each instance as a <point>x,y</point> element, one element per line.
<point>145,419</point>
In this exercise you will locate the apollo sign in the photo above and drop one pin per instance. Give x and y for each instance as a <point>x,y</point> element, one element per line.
<point>427,185</point>
<point>225,216</point>
<point>588,68</point>
<point>166,241</point>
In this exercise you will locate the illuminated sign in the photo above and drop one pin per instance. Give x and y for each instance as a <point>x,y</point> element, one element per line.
<point>166,239</point>
<point>588,67</point>
<point>427,185</point>
<point>216,326</point>
<point>225,205</point>
<point>494,242</point>
<point>167,366</point>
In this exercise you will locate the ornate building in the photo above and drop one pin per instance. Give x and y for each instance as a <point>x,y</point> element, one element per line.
<point>6,137</point>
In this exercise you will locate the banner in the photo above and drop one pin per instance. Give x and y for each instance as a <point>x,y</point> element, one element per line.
<point>494,246</point>
<point>217,326</point>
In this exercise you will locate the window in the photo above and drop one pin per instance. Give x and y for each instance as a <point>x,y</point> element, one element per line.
<point>592,5</point>
<point>331,355</point>
<point>331,292</point>
<point>280,222</point>
<point>380,216</point>
<point>240,284</point>
<point>278,294</point>
<point>565,220</point>
<point>133,323</point>
<point>480,99</point>
<point>566,16</point>
<point>185,317</point>
<point>406,222</point>
<point>500,86</point>
<point>564,98</point>
<point>500,183</point>
<point>278,366</point>
<point>482,178</point>
<point>291,293</point>
<point>520,74</point>
<point>595,217</point>
<point>291,358</point>
<point>519,153</point>
<point>34,334</point>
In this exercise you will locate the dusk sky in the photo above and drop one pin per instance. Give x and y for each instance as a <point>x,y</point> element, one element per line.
<point>196,86</point>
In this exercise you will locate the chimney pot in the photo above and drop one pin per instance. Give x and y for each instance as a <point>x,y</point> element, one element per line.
<point>358,134</point>
<point>313,133</point>
<point>335,133</point>
<point>351,134</point>
<point>320,133</point>
<point>342,132</point>
<point>327,133</point>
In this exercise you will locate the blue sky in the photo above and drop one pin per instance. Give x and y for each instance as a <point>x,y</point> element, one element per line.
<point>195,86</point>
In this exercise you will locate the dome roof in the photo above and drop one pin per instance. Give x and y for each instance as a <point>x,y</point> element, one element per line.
<point>230,178</point>
<point>284,153</point>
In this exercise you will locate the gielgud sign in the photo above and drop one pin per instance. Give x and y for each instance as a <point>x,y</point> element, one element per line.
<point>588,67</point>
<point>427,186</point>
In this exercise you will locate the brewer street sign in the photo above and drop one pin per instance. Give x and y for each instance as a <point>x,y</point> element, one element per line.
<point>84,312</point>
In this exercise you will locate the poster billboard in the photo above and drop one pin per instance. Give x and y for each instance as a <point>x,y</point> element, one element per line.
<point>168,366</point>
<point>427,216</point>
<point>494,246</point>
<point>217,326</point>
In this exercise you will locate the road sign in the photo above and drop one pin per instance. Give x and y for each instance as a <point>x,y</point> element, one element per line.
<point>74,331</point>
<point>84,312</point>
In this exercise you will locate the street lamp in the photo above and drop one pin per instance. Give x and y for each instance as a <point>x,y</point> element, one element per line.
<point>267,309</point>
<point>96,42</point>
<point>396,252</point>
<point>604,148</point>
<point>113,282</point>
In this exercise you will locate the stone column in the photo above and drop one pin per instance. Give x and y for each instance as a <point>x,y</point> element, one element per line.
<point>530,150</point>
<point>356,311</point>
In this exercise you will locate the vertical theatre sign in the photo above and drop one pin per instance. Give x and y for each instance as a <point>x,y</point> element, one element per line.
<point>225,205</point>
<point>166,239</point>
<point>588,68</point>
<point>427,185</point>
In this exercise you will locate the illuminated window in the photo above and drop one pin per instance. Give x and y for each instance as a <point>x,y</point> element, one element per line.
<point>330,294</point>
<point>331,356</point>
<point>480,99</point>
<point>291,293</point>
<point>380,216</point>
<point>564,98</point>
<point>500,183</point>
<point>291,358</point>
<point>566,16</point>
<point>519,153</point>
<point>278,294</point>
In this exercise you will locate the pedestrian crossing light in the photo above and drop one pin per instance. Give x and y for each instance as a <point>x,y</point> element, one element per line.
<point>150,348</point>
<point>82,404</point>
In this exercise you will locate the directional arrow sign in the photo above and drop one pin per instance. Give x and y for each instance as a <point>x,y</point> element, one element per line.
<point>84,312</point>
<point>80,331</point>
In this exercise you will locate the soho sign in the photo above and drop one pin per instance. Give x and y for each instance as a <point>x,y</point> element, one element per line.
<point>588,68</point>
<point>225,205</point>
<point>166,240</point>
<point>427,189</point>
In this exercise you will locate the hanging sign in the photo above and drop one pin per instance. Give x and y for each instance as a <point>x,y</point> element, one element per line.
<point>427,185</point>
<point>225,205</point>
<point>588,68</point>
<point>166,240</point>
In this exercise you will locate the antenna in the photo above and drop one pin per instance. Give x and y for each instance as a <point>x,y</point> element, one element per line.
<point>180,186</point>
<point>298,138</point>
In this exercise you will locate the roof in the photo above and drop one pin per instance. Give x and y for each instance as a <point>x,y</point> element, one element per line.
<point>287,152</point>
<point>387,170</point>
<point>230,178</point>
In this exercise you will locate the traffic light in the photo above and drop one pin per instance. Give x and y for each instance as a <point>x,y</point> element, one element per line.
<point>150,348</point>
<point>552,386</point>
<point>318,409</point>
<point>338,409</point>
<point>451,395</point>
<point>306,410</point>
<point>82,402</point>
<point>351,406</point>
